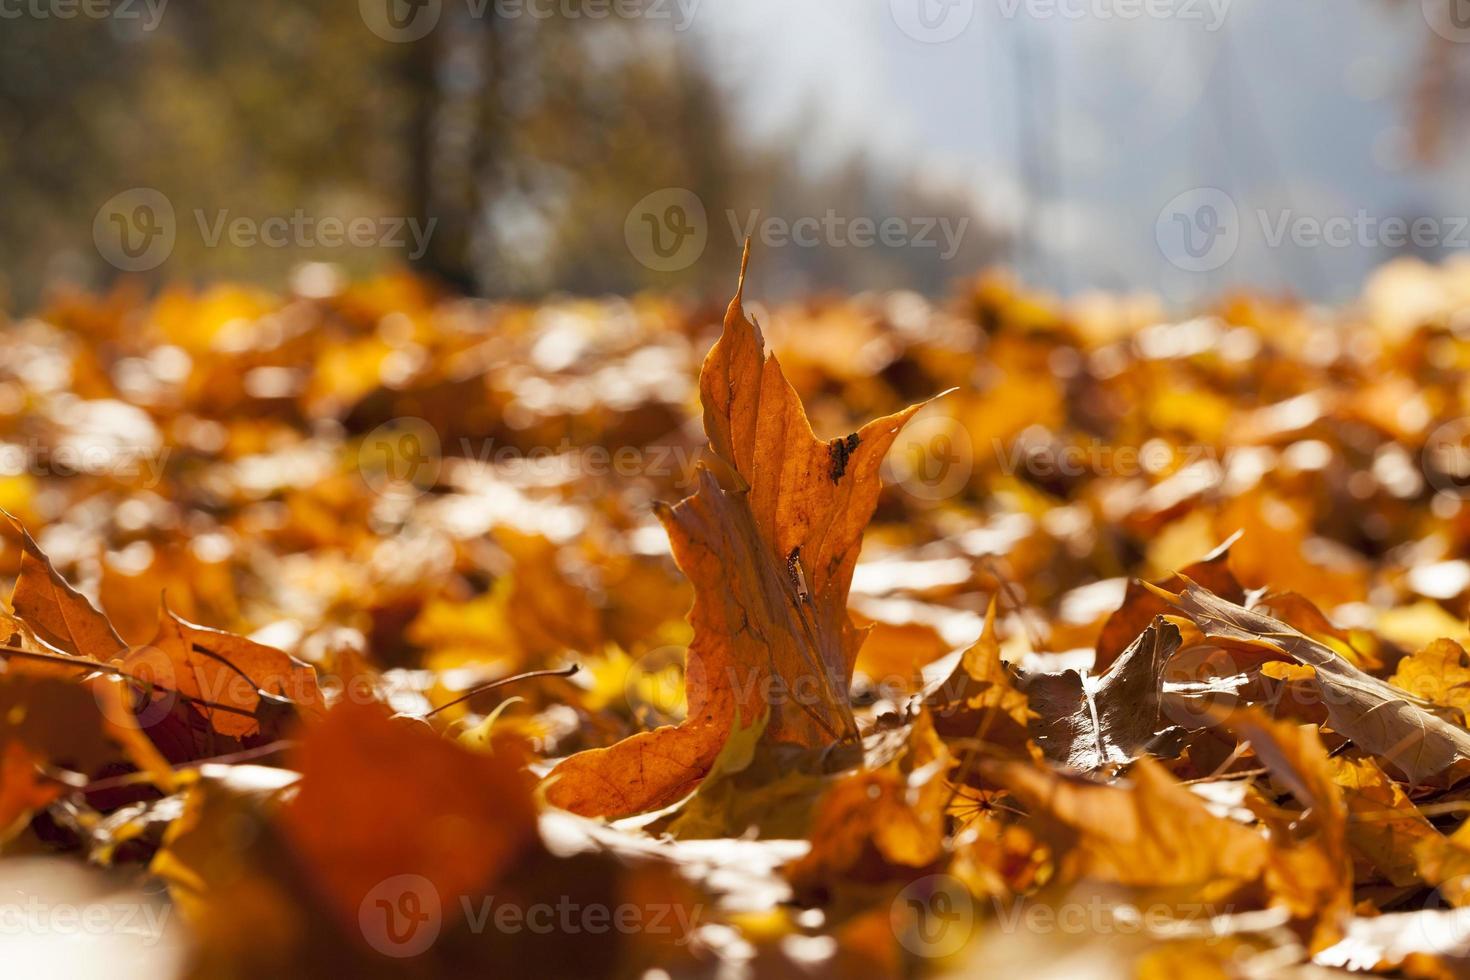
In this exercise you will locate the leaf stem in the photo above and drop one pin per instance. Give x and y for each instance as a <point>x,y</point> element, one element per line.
<point>528,675</point>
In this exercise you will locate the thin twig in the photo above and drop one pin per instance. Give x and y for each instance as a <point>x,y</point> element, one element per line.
<point>528,675</point>
<point>1221,777</point>
<point>1018,602</point>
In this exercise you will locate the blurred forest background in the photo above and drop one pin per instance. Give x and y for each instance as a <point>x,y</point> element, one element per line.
<point>529,138</point>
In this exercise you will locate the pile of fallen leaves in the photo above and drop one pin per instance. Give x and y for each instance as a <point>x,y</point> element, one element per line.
<point>373,632</point>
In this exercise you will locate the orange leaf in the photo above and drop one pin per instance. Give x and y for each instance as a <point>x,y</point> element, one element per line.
<point>381,797</point>
<point>771,559</point>
<point>1140,606</point>
<point>226,670</point>
<point>57,613</point>
<point>22,789</point>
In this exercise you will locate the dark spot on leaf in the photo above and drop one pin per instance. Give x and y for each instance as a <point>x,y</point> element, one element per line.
<point>838,452</point>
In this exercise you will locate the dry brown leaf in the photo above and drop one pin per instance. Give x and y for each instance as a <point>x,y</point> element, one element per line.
<point>1385,827</point>
<point>368,783</point>
<point>240,686</point>
<point>1444,862</point>
<point>60,615</point>
<point>1393,725</point>
<point>1149,832</point>
<point>56,734</point>
<point>1141,606</point>
<point>979,698</point>
<point>1310,870</point>
<point>1087,723</point>
<point>771,559</point>
<point>873,824</point>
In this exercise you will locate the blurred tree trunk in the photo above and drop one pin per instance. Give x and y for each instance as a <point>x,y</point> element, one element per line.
<point>453,98</point>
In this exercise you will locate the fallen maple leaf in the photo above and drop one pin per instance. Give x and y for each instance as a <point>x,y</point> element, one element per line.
<point>56,734</point>
<point>353,833</point>
<point>771,559</point>
<point>1385,828</point>
<point>1390,723</point>
<point>979,695</point>
<point>1149,832</point>
<point>241,687</point>
<point>1444,861</point>
<point>1313,878</point>
<point>1141,605</point>
<point>23,788</point>
<point>1086,723</point>
<point>882,822</point>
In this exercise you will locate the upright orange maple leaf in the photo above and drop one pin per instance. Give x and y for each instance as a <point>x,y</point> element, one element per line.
<point>771,558</point>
